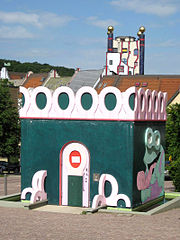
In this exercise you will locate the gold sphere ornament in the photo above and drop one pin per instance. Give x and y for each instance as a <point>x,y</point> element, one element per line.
<point>110,29</point>
<point>139,33</point>
<point>142,29</point>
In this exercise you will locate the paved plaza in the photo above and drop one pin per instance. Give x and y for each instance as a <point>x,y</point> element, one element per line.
<point>18,223</point>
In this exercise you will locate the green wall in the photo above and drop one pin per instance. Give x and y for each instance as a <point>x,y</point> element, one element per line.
<point>110,144</point>
<point>115,147</point>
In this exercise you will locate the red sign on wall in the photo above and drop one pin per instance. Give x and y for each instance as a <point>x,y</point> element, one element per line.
<point>75,159</point>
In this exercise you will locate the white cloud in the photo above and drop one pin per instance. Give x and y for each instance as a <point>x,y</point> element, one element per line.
<point>37,20</point>
<point>155,7</point>
<point>14,33</point>
<point>20,18</point>
<point>93,20</point>
<point>51,19</point>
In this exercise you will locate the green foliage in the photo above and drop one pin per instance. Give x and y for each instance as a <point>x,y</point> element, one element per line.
<point>173,142</point>
<point>173,131</point>
<point>175,173</point>
<point>9,124</point>
<point>35,67</point>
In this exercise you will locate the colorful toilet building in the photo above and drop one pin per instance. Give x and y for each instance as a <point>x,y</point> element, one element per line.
<point>86,149</point>
<point>125,54</point>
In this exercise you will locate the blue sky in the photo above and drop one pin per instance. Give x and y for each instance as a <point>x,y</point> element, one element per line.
<point>74,33</point>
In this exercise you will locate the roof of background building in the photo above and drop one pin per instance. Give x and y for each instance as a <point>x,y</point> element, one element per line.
<point>17,82</point>
<point>35,80</point>
<point>16,75</point>
<point>54,83</point>
<point>164,83</point>
<point>84,78</point>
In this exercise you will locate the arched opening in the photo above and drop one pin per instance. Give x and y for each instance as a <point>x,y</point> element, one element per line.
<point>74,189</point>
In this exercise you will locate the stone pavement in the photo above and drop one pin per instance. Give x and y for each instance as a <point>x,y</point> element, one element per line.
<point>13,184</point>
<point>17,224</point>
<point>61,209</point>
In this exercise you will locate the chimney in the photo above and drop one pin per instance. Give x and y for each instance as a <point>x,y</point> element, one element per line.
<point>142,49</point>
<point>110,39</point>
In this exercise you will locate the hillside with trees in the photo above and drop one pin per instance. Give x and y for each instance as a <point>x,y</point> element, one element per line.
<point>35,67</point>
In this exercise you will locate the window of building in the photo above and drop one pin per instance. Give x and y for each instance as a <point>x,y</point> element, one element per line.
<point>121,68</point>
<point>136,64</point>
<point>137,84</point>
<point>144,84</point>
<point>136,52</point>
<point>110,62</point>
<point>124,60</point>
<point>42,79</point>
<point>124,50</point>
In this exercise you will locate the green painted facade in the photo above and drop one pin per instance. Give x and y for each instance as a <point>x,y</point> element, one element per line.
<point>110,144</point>
<point>115,147</point>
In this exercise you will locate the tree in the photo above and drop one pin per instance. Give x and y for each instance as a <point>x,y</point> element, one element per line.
<point>175,173</point>
<point>173,142</point>
<point>9,125</point>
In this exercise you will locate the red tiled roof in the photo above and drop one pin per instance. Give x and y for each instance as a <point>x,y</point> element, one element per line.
<point>164,83</point>
<point>35,80</point>
<point>16,75</point>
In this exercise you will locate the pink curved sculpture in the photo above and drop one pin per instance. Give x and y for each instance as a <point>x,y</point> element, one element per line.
<point>114,197</point>
<point>98,200</point>
<point>37,191</point>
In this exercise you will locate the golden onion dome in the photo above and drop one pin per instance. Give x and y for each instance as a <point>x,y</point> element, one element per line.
<point>142,29</point>
<point>110,29</point>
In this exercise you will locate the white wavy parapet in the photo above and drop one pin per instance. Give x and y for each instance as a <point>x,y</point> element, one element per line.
<point>149,105</point>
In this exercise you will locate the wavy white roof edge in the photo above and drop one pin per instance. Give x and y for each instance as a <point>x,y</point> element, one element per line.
<point>149,105</point>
